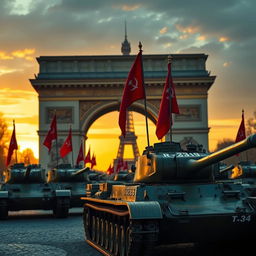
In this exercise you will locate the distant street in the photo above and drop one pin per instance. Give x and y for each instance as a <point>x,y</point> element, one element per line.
<point>38,233</point>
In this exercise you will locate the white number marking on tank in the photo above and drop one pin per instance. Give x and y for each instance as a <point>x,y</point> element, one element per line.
<point>188,154</point>
<point>241,218</point>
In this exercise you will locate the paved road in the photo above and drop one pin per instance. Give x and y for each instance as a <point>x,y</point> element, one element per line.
<point>37,233</point>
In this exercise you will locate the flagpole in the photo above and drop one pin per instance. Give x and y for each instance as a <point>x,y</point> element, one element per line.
<point>56,141</point>
<point>16,155</point>
<point>170,94</point>
<point>72,148</point>
<point>145,101</point>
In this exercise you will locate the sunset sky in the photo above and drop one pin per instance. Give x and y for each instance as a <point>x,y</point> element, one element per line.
<point>225,30</point>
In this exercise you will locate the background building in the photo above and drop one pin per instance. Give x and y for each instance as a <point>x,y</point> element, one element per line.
<point>82,88</point>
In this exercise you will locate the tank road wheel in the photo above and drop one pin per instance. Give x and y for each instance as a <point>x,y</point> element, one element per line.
<point>3,210</point>
<point>111,236</point>
<point>116,240</point>
<point>61,208</point>
<point>93,228</point>
<point>97,230</point>
<point>107,233</point>
<point>103,232</point>
<point>87,222</point>
<point>122,241</point>
<point>133,243</point>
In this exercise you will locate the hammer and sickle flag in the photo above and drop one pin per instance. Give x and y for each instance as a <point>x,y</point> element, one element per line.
<point>13,146</point>
<point>67,146</point>
<point>164,117</point>
<point>241,131</point>
<point>52,134</point>
<point>133,90</point>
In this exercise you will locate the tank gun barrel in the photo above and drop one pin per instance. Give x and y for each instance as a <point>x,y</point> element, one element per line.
<point>80,171</point>
<point>222,154</point>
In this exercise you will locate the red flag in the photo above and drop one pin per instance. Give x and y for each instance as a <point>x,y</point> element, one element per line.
<point>241,131</point>
<point>110,170</point>
<point>67,146</point>
<point>120,164</point>
<point>80,156</point>
<point>133,90</point>
<point>164,116</point>
<point>13,145</point>
<point>52,134</point>
<point>125,166</point>
<point>93,161</point>
<point>88,157</point>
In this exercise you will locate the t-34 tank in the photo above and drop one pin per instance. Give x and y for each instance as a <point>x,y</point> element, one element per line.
<point>73,180</point>
<point>173,199</point>
<point>25,188</point>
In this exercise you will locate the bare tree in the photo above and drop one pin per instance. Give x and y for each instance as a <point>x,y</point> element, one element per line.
<point>27,157</point>
<point>4,135</point>
<point>224,143</point>
<point>251,124</point>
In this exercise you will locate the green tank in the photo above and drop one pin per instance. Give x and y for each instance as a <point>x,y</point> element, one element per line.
<point>174,198</point>
<point>25,188</point>
<point>73,180</point>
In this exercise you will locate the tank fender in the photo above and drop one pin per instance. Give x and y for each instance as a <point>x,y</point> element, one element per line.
<point>63,193</point>
<point>145,210</point>
<point>4,194</point>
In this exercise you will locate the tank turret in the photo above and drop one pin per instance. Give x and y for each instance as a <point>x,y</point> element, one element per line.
<point>166,162</point>
<point>25,188</point>
<point>19,173</point>
<point>172,190</point>
<point>65,173</point>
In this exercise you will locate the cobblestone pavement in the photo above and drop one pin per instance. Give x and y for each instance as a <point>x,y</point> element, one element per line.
<point>37,233</point>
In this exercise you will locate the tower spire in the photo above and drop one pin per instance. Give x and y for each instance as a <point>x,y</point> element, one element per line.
<point>126,46</point>
<point>125,31</point>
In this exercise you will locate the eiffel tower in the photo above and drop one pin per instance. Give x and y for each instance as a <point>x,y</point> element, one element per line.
<point>129,139</point>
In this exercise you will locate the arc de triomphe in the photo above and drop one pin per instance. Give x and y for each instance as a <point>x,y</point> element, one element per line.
<point>82,88</point>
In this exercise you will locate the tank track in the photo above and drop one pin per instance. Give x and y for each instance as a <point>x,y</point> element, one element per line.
<point>113,233</point>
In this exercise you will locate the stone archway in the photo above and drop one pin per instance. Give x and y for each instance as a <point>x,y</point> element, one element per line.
<point>89,113</point>
<point>83,88</point>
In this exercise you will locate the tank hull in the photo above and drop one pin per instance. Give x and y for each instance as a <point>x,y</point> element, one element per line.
<point>77,190</point>
<point>169,214</point>
<point>38,196</point>
<point>207,229</point>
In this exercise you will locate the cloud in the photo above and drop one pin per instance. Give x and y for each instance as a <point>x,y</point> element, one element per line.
<point>4,56</point>
<point>163,30</point>
<point>4,71</point>
<point>133,7</point>
<point>25,54</point>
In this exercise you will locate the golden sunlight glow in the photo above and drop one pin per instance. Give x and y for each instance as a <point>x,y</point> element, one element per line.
<point>103,138</point>
<point>4,71</point>
<point>221,129</point>
<point>25,53</point>
<point>4,56</point>
<point>201,38</point>
<point>133,7</point>
<point>223,39</point>
<point>167,45</point>
<point>163,30</point>
<point>227,64</point>
<point>189,29</point>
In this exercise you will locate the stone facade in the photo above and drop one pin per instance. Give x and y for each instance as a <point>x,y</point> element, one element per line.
<point>82,88</point>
